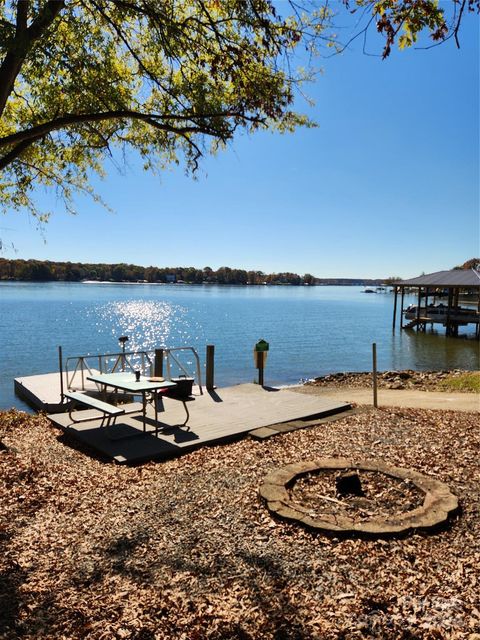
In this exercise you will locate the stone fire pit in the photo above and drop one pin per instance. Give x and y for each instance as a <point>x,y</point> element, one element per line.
<point>340,495</point>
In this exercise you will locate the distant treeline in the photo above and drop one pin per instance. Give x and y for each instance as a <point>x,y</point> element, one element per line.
<point>44,271</point>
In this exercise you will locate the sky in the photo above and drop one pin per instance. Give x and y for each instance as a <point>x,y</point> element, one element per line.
<point>386,185</point>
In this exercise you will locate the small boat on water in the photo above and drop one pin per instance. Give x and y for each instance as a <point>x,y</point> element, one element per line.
<point>369,291</point>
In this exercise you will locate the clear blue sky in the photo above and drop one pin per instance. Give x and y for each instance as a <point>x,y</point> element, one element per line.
<point>388,184</point>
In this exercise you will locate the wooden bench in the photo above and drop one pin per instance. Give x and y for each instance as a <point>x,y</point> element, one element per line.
<point>110,412</point>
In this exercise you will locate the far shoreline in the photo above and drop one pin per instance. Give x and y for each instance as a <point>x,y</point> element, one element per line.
<point>196,284</point>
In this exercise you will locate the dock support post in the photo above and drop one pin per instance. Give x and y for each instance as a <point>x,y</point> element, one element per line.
<point>374,359</point>
<point>426,310</point>
<point>401,310</point>
<point>456,294</point>
<point>449,310</point>
<point>395,309</point>
<point>418,307</point>
<point>60,368</point>
<point>210,367</point>
<point>158,363</point>
<point>478,323</point>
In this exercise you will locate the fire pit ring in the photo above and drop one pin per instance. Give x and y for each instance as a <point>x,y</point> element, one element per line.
<point>438,504</point>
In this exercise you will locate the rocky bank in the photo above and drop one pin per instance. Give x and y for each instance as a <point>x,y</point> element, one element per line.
<point>407,379</point>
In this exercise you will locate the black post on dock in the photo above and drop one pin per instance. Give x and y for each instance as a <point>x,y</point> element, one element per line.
<point>374,367</point>
<point>210,367</point>
<point>158,363</point>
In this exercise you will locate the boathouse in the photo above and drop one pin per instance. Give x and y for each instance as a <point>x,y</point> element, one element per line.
<point>440,297</point>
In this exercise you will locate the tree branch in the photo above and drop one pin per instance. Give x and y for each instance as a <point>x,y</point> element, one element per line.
<point>25,38</point>
<point>457,26</point>
<point>23,139</point>
<point>155,120</point>
<point>22,15</point>
<point>15,152</point>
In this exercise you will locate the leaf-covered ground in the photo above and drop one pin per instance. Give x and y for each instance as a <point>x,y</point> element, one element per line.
<point>185,549</point>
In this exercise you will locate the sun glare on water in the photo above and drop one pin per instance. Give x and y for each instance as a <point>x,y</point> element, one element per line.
<point>149,324</point>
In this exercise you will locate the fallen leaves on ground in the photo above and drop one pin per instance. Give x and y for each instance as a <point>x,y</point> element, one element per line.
<point>186,549</point>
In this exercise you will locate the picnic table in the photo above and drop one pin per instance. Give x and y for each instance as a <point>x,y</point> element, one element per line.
<point>149,389</point>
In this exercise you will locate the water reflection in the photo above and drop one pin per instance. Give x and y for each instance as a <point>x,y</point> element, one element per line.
<point>149,324</point>
<point>433,350</point>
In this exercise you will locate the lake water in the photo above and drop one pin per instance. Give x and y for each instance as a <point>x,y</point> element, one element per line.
<point>311,330</point>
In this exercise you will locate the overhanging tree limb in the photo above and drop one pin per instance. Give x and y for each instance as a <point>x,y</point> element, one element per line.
<point>23,139</point>
<point>154,119</point>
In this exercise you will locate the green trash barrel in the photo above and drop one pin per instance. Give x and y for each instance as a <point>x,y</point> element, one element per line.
<point>262,345</point>
<point>260,353</point>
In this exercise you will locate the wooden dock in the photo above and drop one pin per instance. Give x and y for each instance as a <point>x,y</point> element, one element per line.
<point>42,392</point>
<point>215,417</point>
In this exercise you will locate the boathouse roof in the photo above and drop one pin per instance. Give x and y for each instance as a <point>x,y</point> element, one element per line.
<point>464,278</point>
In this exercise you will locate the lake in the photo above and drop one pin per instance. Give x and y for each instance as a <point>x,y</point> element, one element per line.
<point>311,330</point>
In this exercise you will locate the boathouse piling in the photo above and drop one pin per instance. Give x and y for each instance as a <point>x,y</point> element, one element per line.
<point>401,307</point>
<point>394,309</point>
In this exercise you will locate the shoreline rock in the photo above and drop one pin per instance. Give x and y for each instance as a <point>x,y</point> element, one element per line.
<point>404,379</point>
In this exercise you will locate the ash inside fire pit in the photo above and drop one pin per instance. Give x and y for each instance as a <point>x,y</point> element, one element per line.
<point>359,495</point>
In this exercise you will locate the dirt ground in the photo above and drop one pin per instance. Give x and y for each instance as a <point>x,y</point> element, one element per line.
<point>186,548</point>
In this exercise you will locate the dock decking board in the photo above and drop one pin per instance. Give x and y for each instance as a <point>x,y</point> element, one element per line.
<point>214,417</point>
<point>42,392</point>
